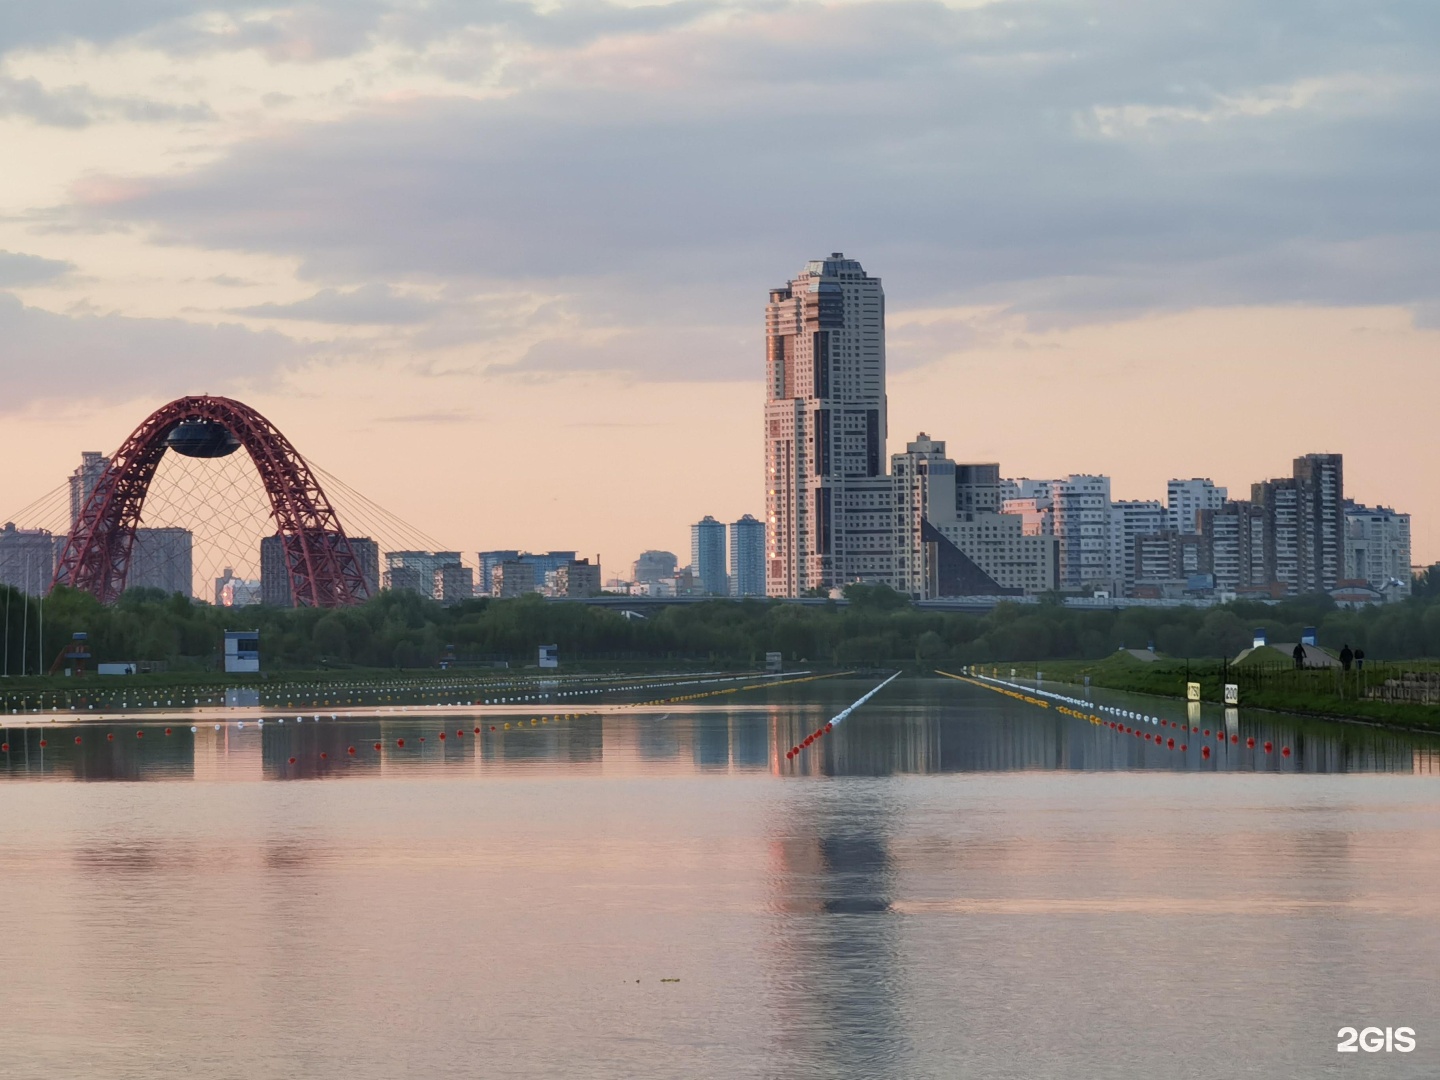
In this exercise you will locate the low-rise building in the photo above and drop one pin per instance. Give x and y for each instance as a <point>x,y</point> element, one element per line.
<point>579,577</point>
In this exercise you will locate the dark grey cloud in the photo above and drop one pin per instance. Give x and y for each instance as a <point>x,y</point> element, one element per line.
<point>44,355</point>
<point>17,269</point>
<point>373,304</point>
<point>1071,160</point>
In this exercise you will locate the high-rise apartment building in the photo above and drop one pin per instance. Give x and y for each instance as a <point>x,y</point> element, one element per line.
<point>83,480</point>
<point>512,578</point>
<point>1186,499</point>
<point>27,558</point>
<point>1131,519</point>
<point>707,555</point>
<point>828,500</point>
<point>162,559</point>
<point>978,488</point>
<point>276,588</point>
<point>367,556</point>
<point>1304,522</point>
<point>418,571</point>
<point>747,557</point>
<point>1377,547</point>
<point>544,564</point>
<point>1320,490</point>
<point>1235,534</point>
<point>948,537</point>
<point>1082,526</point>
<point>1279,505</point>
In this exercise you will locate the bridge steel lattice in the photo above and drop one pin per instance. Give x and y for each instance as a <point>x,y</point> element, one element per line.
<point>324,571</point>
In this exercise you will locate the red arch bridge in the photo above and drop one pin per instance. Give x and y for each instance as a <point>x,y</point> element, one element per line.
<point>323,568</point>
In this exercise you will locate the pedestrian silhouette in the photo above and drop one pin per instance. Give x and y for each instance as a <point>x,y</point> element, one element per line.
<point>1299,655</point>
<point>1346,656</point>
<point>1359,659</point>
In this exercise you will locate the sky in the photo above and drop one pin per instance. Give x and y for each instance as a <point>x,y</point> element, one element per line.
<point>502,265</point>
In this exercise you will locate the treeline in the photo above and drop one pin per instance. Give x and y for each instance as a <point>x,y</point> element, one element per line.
<point>400,629</point>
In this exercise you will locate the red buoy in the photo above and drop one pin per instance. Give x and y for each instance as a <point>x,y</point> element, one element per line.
<point>350,749</point>
<point>43,744</point>
<point>1234,738</point>
<point>492,727</point>
<point>77,740</point>
<point>459,733</point>
<point>168,731</point>
<point>4,747</point>
<point>1204,751</point>
<point>292,761</point>
<point>1250,743</point>
<point>1269,746</point>
<point>477,731</point>
<point>399,742</point>
<point>442,736</point>
<point>1170,743</point>
<point>1184,747</point>
<point>829,727</point>
<point>789,754</point>
<point>139,734</point>
<point>377,746</point>
<point>1207,732</point>
<point>110,737</point>
<point>1164,723</point>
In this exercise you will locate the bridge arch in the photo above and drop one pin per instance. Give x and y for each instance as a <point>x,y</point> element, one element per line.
<point>323,568</point>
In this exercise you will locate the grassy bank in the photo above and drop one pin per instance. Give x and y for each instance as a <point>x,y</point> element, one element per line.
<point>1317,692</point>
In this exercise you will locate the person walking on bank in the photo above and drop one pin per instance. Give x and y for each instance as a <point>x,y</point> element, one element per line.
<point>1346,656</point>
<point>1359,659</point>
<point>1299,655</point>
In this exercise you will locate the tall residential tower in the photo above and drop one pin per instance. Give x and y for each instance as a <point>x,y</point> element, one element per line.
<point>829,501</point>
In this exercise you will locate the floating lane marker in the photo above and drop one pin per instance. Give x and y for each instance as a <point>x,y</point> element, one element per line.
<point>839,718</point>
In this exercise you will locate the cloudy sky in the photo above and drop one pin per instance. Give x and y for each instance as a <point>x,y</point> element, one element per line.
<point>502,265</point>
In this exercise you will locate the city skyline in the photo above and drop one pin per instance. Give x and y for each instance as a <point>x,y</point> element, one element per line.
<point>1212,246</point>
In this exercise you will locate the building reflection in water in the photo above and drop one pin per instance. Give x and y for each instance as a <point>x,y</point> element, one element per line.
<point>919,727</point>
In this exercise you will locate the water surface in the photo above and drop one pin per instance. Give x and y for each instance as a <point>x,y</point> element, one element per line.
<point>952,883</point>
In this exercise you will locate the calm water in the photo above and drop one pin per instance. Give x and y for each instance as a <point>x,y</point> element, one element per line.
<point>953,883</point>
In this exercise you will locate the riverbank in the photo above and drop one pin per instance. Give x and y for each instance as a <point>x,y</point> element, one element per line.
<point>1325,692</point>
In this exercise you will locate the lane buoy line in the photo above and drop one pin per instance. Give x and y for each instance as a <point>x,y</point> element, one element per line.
<point>341,693</point>
<point>1221,738</point>
<point>739,689</point>
<point>998,689</point>
<point>839,718</point>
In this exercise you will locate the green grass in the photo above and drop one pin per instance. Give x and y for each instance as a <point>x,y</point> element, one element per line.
<point>1321,692</point>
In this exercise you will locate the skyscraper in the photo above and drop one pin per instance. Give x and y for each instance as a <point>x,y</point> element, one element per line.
<point>707,555</point>
<point>83,480</point>
<point>828,498</point>
<point>1320,489</point>
<point>747,557</point>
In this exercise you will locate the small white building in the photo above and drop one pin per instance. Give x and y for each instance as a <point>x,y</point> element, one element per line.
<point>242,651</point>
